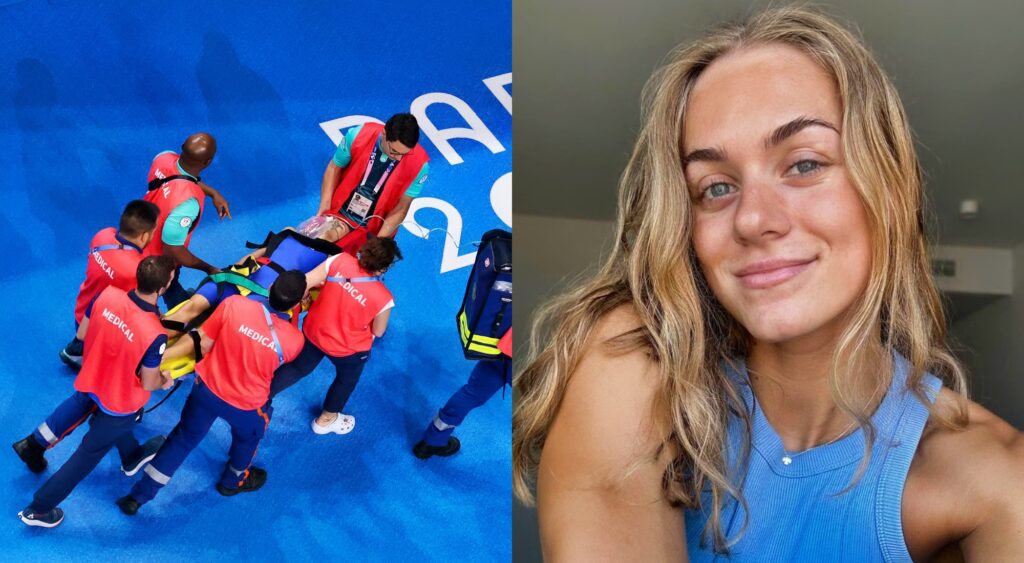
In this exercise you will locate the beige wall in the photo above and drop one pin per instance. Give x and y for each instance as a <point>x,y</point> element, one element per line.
<point>990,341</point>
<point>552,251</point>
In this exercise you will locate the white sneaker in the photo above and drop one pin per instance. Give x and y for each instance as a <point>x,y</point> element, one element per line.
<point>341,425</point>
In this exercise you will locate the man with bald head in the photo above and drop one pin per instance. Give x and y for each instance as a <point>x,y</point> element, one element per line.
<point>175,187</point>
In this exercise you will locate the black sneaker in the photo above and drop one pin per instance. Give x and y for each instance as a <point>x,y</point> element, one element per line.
<point>74,362</point>
<point>253,481</point>
<point>424,450</point>
<point>143,455</point>
<point>31,453</point>
<point>49,519</point>
<point>128,505</point>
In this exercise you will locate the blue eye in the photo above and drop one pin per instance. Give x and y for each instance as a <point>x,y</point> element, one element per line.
<point>805,167</point>
<point>717,190</point>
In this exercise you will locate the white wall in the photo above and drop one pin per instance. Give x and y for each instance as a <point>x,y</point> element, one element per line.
<point>978,270</point>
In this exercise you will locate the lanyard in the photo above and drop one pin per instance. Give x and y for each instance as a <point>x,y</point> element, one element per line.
<point>106,247</point>
<point>342,280</point>
<point>277,343</point>
<point>369,167</point>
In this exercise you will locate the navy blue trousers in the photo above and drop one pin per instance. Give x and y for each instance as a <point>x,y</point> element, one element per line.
<point>106,431</point>
<point>484,381</point>
<point>347,370</point>
<point>201,409</point>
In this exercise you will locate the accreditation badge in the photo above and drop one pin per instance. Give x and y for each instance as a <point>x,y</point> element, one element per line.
<point>360,206</point>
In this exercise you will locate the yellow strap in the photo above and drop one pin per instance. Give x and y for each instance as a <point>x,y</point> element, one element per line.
<point>178,366</point>
<point>489,350</point>
<point>475,342</point>
<point>175,308</point>
<point>468,336</point>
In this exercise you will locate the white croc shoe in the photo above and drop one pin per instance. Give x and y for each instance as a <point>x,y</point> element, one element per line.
<point>341,425</point>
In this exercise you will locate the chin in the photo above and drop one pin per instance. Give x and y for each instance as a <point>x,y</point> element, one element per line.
<point>780,325</point>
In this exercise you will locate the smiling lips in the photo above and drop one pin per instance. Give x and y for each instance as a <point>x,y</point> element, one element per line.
<point>769,273</point>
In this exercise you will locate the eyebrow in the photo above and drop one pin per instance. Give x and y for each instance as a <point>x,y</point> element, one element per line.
<point>793,127</point>
<point>777,136</point>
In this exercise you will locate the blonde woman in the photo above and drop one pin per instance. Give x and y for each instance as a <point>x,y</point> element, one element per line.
<point>760,367</point>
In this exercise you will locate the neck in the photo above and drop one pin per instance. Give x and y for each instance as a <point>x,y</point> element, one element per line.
<point>137,241</point>
<point>791,383</point>
<point>190,167</point>
<point>150,298</point>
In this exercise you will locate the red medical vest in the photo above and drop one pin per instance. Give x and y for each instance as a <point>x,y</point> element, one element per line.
<point>339,321</point>
<point>241,363</point>
<point>505,343</point>
<point>119,334</point>
<point>167,197</point>
<point>394,187</point>
<point>164,165</point>
<point>112,267</point>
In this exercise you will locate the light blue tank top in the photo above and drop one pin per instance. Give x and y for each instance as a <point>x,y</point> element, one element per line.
<point>795,511</point>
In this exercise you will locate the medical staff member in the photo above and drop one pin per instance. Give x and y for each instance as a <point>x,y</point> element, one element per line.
<point>175,188</point>
<point>353,308</point>
<point>114,255</point>
<point>484,381</point>
<point>242,343</point>
<point>124,342</point>
<point>188,165</point>
<point>370,183</point>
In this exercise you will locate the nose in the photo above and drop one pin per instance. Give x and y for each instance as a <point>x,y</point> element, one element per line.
<point>761,213</point>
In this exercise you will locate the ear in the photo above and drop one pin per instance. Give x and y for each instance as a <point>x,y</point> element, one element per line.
<point>166,286</point>
<point>146,238</point>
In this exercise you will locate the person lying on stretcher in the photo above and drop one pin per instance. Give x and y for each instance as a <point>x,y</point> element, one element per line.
<point>302,249</point>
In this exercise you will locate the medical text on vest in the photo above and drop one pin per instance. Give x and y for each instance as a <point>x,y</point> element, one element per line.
<point>103,264</point>
<point>120,324</point>
<point>351,289</point>
<point>263,340</point>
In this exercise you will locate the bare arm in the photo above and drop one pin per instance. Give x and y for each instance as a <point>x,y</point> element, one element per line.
<point>380,322</point>
<point>964,494</point>
<point>330,181</point>
<point>152,378</point>
<point>184,256</point>
<point>219,203</point>
<point>395,218</point>
<point>255,255</point>
<point>193,307</point>
<point>317,276</point>
<point>599,480</point>
<point>184,346</point>
<point>1000,498</point>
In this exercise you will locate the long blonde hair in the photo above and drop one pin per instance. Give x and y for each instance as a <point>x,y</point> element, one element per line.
<point>653,269</point>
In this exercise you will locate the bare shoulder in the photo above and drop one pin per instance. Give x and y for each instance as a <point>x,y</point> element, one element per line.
<point>616,322</point>
<point>967,483</point>
<point>599,490</point>
<point>606,413</point>
<point>976,457</point>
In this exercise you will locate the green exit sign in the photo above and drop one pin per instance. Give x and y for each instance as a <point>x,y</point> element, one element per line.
<point>944,268</point>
